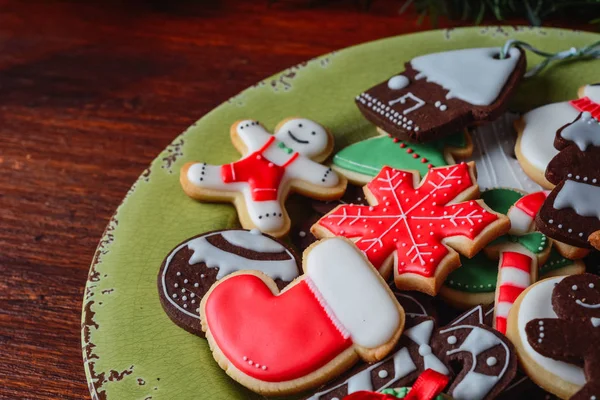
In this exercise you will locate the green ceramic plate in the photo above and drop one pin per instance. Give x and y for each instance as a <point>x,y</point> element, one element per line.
<point>131,349</point>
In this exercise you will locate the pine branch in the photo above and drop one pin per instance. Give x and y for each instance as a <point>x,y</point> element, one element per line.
<point>476,10</point>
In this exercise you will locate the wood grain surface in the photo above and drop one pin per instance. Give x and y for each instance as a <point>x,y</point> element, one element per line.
<point>90,93</point>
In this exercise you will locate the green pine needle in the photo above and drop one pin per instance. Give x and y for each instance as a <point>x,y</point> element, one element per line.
<point>534,10</point>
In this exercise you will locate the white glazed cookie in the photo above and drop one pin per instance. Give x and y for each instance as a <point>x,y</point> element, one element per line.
<point>271,167</point>
<point>537,129</point>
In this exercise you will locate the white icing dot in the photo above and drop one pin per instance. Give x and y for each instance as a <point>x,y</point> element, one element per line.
<point>383,374</point>
<point>559,226</point>
<point>451,339</point>
<point>541,328</point>
<point>185,281</point>
<point>550,221</point>
<point>176,285</point>
<point>443,107</point>
<point>541,322</point>
<point>574,287</point>
<point>182,290</point>
<point>202,276</point>
<point>196,284</point>
<point>245,358</point>
<point>185,306</point>
<point>192,295</point>
<point>179,274</point>
<point>491,361</point>
<point>174,295</point>
<point>184,298</point>
<point>424,350</point>
<point>398,82</point>
<point>591,285</point>
<point>542,334</point>
<point>264,367</point>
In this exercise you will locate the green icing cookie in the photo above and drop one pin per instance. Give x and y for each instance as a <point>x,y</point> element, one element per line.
<point>369,156</point>
<point>402,392</point>
<point>476,275</point>
<point>500,200</point>
<point>535,242</point>
<point>555,261</point>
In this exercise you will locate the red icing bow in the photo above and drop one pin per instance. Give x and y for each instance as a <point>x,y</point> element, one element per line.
<point>429,384</point>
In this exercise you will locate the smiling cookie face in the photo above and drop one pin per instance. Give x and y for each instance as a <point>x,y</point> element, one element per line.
<point>577,297</point>
<point>304,136</point>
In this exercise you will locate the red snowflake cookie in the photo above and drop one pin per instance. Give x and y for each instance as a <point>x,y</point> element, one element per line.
<point>416,227</point>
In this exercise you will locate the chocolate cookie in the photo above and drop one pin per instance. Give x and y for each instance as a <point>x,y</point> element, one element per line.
<point>573,337</point>
<point>571,213</point>
<point>411,356</point>
<point>441,93</point>
<point>487,358</point>
<point>191,268</point>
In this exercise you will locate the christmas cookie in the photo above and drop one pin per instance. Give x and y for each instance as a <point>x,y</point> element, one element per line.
<point>571,214</point>
<point>441,93</point>
<point>361,161</point>
<point>537,128</point>
<point>575,336</point>
<point>520,254</point>
<point>486,357</point>
<point>475,282</point>
<point>341,310</point>
<point>553,302</point>
<point>191,268</point>
<point>271,167</point>
<point>494,156</point>
<point>411,356</point>
<point>413,229</point>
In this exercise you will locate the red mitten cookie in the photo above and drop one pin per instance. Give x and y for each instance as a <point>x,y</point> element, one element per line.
<point>442,93</point>
<point>340,310</point>
<point>412,228</point>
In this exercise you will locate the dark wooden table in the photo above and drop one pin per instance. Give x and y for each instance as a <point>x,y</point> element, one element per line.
<point>89,94</point>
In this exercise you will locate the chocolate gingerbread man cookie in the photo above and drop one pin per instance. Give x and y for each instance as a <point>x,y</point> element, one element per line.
<point>573,337</point>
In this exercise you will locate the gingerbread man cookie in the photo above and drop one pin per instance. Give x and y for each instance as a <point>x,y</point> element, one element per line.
<point>575,336</point>
<point>537,129</point>
<point>363,160</point>
<point>275,343</point>
<point>442,93</point>
<point>561,378</point>
<point>411,228</point>
<point>191,268</point>
<point>571,214</point>
<point>271,167</point>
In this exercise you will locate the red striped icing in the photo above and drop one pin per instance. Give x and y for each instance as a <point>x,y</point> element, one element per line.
<point>531,203</point>
<point>508,291</point>
<point>586,104</point>
<point>511,259</point>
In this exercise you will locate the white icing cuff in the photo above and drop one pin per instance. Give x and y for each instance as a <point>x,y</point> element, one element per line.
<point>353,292</point>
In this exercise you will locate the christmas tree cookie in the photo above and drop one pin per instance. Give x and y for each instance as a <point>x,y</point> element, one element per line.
<point>363,160</point>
